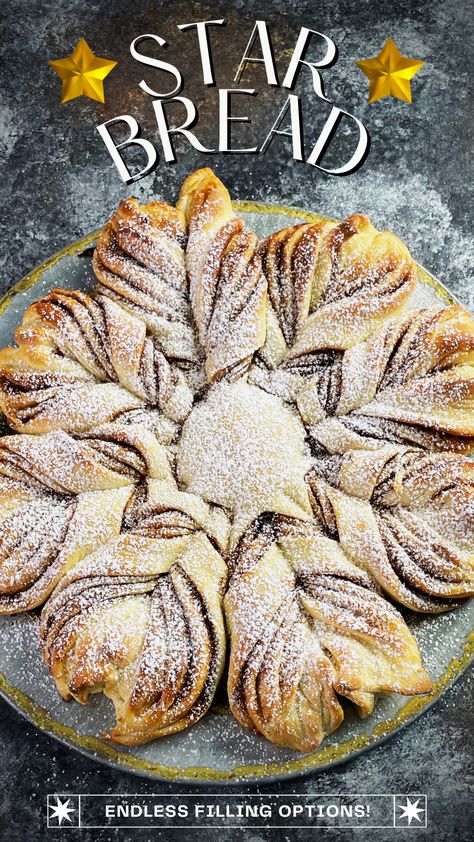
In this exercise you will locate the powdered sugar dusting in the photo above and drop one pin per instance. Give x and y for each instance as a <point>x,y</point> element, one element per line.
<point>152,636</point>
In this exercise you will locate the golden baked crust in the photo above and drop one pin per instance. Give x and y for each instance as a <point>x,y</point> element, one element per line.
<point>331,284</point>
<point>217,407</point>
<point>406,516</point>
<point>226,284</point>
<point>83,360</point>
<point>141,620</point>
<point>58,503</point>
<point>305,625</point>
<point>400,385</point>
<point>139,262</point>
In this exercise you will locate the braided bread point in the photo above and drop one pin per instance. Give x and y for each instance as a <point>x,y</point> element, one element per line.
<point>227,286</point>
<point>58,503</point>
<point>406,516</point>
<point>107,341</point>
<point>141,620</point>
<point>139,262</point>
<point>131,448</point>
<point>159,509</point>
<point>410,383</point>
<point>42,391</point>
<point>305,625</point>
<point>148,418</point>
<point>331,285</point>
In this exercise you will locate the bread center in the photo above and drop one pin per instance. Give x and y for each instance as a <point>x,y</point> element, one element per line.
<point>243,449</point>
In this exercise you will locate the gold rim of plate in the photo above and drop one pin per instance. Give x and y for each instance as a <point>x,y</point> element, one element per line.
<point>323,757</point>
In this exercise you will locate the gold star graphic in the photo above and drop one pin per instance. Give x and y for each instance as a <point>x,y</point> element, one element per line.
<point>390,73</point>
<point>82,73</point>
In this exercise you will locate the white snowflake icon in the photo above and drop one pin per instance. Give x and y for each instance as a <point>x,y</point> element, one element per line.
<point>410,809</point>
<point>60,811</point>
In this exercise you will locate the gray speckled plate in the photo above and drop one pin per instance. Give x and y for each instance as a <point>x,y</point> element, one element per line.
<point>217,749</point>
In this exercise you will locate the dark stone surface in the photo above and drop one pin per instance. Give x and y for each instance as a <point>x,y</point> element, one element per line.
<point>58,183</point>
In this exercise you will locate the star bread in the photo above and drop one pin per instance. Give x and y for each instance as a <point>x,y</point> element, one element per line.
<point>242,454</point>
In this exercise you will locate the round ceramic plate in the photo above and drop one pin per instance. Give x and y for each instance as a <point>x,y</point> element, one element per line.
<point>217,748</point>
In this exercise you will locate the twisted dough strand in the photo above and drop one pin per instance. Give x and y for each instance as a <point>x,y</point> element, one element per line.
<point>411,382</point>
<point>142,621</point>
<point>68,339</point>
<point>407,517</point>
<point>331,284</point>
<point>227,286</point>
<point>139,262</point>
<point>305,625</point>
<point>58,502</point>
